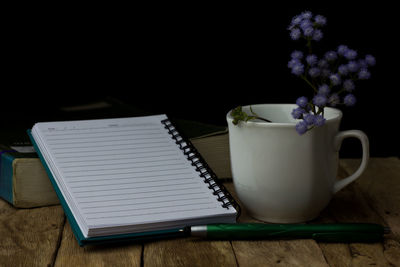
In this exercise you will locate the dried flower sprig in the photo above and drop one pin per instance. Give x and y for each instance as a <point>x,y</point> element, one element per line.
<point>332,76</point>
<point>239,115</point>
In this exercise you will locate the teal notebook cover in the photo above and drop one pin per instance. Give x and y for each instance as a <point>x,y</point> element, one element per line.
<point>82,240</point>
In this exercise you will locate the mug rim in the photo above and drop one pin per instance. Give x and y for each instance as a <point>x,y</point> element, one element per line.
<point>287,124</point>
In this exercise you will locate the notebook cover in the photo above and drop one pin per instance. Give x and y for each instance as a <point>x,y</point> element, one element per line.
<point>82,240</point>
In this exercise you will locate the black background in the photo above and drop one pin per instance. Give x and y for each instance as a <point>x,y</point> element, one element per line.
<point>194,62</point>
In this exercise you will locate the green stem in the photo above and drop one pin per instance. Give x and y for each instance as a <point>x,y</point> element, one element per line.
<point>256,117</point>
<point>309,83</point>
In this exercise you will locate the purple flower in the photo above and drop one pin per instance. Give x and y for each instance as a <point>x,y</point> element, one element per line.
<point>330,55</point>
<point>319,120</point>
<point>342,49</point>
<point>306,15</point>
<point>296,20</point>
<point>302,101</point>
<point>301,127</point>
<point>364,74</point>
<point>308,31</point>
<point>350,100</point>
<point>370,59</point>
<point>334,100</point>
<point>335,79</point>
<point>297,113</point>
<point>295,34</point>
<point>323,89</point>
<point>298,69</point>
<point>317,35</point>
<point>352,66</point>
<point>311,59</point>
<point>323,64</point>
<point>350,54</point>
<point>320,100</point>
<point>293,62</point>
<point>305,24</point>
<point>348,85</point>
<point>320,20</point>
<point>343,70</point>
<point>314,72</point>
<point>297,54</point>
<point>308,118</point>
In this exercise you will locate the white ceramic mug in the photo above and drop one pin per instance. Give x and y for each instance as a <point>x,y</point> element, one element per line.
<point>281,176</point>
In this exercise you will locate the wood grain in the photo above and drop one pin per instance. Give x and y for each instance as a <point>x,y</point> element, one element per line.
<point>70,254</point>
<point>377,198</point>
<point>29,237</point>
<point>188,252</point>
<point>380,185</point>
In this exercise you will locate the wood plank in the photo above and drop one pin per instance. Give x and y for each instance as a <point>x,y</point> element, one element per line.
<point>380,185</point>
<point>29,237</point>
<point>71,254</point>
<point>282,253</point>
<point>275,252</point>
<point>188,252</point>
<point>350,205</point>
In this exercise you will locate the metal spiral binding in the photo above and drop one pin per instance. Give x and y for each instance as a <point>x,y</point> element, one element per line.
<point>202,167</point>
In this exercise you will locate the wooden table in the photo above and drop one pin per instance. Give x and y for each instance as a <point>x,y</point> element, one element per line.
<point>43,237</point>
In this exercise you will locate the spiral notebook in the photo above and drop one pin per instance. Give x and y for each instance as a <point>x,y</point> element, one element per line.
<point>129,178</point>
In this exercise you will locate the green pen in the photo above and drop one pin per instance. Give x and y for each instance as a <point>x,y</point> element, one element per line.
<point>338,232</point>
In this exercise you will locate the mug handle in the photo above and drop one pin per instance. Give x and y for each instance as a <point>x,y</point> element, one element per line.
<point>339,184</point>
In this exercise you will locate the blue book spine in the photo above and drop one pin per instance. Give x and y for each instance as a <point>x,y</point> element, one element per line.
<point>6,175</point>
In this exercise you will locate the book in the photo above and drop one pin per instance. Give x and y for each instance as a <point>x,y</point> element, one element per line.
<point>129,178</point>
<point>23,180</point>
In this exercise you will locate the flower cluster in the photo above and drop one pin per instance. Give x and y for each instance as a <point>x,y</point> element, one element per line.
<point>332,76</point>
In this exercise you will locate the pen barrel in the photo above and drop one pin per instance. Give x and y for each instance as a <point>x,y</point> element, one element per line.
<point>318,232</point>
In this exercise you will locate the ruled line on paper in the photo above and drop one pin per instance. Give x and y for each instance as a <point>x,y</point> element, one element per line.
<point>79,138</point>
<point>145,200</point>
<point>117,157</point>
<point>122,163</point>
<point>158,206</point>
<point>121,152</point>
<point>132,180</point>
<point>135,146</point>
<point>153,195</point>
<point>153,213</point>
<point>114,172</point>
<point>109,143</point>
<point>130,167</point>
<point>91,190</point>
<point>69,132</point>
<point>120,177</point>
<point>147,191</point>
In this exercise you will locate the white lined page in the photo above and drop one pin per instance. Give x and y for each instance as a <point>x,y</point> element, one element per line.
<point>124,172</point>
